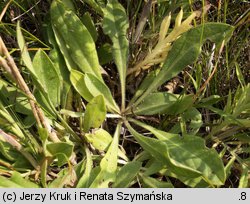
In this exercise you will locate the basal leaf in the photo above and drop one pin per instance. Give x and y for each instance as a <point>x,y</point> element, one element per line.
<point>78,82</point>
<point>126,174</point>
<point>101,139</point>
<point>156,103</point>
<point>115,25</point>
<point>108,164</point>
<point>74,40</point>
<point>61,150</point>
<point>89,24</point>
<point>244,178</point>
<point>16,181</point>
<point>97,8</point>
<point>95,113</point>
<point>97,87</point>
<point>185,154</point>
<point>84,181</point>
<point>48,76</point>
<point>192,117</point>
<point>19,180</point>
<point>24,51</point>
<point>185,51</point>
<point>149,182</point>
<point>144,85</point>
<point>158,149</point>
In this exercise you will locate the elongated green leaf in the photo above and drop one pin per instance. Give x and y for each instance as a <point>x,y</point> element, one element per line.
<point>89,24</point>
<point>95,6</point>
<point>153,166</point>
<point>240,75</point>
<point>144,85</point>
<point>158,149</point>
<point>48,76</point>
<point>16,181</point>
<point>244,177</point>
<point>60,65</point>
<point>108,164</point>
<point>95,113</point>
<point>27,61</point>
<point>74,40</point>
<point>183,103</point>
<point>126,174</point>
<point>156,103</point>
<point>61,150</point>
<point>101,140</point>
<point>69,4</point>
<point>78,81</point>
<point>149,182</point>
<point>6,183</point>
<point>97,87</point>
<point>84,181</point>
<point>187,154</point>
<point>185,51</point>
<point>115,25</point>
<point>25,183</point>
<point>24,51</point>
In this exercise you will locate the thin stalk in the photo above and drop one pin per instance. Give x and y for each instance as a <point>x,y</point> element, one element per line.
<point>15,144</point>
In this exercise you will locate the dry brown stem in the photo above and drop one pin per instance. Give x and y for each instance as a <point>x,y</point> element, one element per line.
<point>10,66</point>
